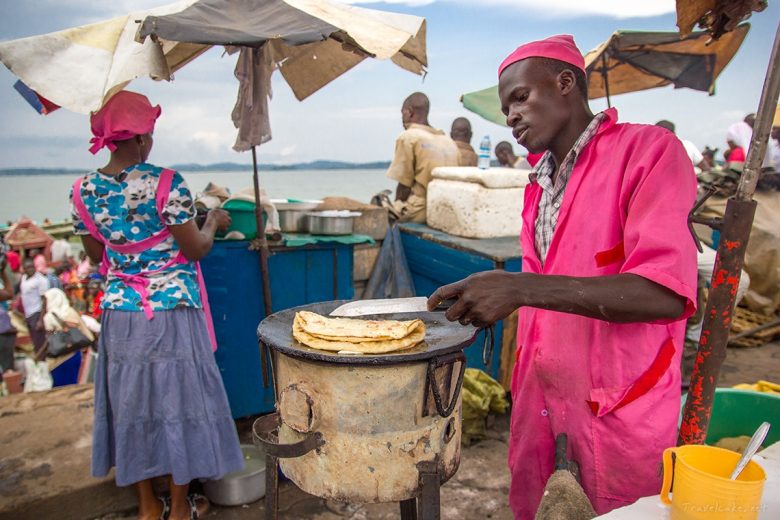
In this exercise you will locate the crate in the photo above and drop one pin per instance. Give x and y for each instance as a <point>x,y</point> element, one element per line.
<point>744,319</point>
<point>372,220</point>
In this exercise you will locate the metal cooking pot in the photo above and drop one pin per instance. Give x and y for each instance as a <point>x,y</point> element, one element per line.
<point>292,215</point>
<point>331,222</point>
<point>293,220</point>
<point>240,487</point>
<point>360,428</point>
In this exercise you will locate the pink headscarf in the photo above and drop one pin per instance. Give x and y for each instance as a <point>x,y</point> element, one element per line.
<point>560,47</point>
<point>125,115</point>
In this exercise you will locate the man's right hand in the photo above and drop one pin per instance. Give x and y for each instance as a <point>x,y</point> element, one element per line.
<point>482,299</point>
<point>220,217</point>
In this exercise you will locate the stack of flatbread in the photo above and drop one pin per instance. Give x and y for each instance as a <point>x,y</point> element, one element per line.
<point>356,336</point>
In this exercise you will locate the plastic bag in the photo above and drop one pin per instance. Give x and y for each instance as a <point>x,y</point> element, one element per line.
<point>38,378</point>
<point>391,277</point>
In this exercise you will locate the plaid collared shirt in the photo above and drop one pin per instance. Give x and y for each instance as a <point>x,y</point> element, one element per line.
<point>552,195</point>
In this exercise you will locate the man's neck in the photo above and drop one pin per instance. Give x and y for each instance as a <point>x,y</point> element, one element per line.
<point>569,134</point>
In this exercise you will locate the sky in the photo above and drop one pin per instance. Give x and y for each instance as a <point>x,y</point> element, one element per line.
<point>357,117</point>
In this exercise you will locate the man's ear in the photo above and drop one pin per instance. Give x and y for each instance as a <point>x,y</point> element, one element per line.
<point>567,82</point>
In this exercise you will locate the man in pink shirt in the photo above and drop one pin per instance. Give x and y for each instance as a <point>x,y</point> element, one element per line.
<point>609,276</point>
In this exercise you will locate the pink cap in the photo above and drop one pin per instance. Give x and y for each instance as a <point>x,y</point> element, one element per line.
<point>560,47</point>
<point>125,115</point>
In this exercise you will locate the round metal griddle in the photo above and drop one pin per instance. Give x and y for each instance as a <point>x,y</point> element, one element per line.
<point>442,337</point>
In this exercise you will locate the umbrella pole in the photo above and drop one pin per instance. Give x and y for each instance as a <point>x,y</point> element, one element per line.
<point>606,79</point>
<point>261,241</point>
<point>735,231</point>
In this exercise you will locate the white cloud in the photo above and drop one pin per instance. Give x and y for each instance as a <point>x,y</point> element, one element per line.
<point>211,141</point>
<point>560,8</point>
<point>403,2</point>
<point>730,116</point>
<point>371,113</point>
<point>287,151</point>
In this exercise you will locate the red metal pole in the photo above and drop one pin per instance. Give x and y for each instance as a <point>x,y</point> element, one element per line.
<point>737,223</point>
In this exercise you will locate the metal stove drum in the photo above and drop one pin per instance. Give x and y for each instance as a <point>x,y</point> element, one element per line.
<point>364,428</point>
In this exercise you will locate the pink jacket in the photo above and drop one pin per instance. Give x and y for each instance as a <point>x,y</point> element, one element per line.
<point>613,388</point>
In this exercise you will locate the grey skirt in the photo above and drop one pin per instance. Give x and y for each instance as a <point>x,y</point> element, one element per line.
<point>160,406</point>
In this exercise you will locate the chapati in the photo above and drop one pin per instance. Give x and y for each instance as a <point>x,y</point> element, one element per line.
<point>355,335</point>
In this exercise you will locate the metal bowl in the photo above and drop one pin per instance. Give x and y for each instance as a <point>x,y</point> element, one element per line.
<point>240,487</point>
<point>331,222</point>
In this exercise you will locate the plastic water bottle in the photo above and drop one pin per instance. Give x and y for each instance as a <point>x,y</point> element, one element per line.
<point>483,162</point>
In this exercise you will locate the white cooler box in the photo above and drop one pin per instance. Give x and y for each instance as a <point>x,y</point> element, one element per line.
<point>473,203</point>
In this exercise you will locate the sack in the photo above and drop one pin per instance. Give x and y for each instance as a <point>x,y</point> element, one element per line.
<point>62,342</point>
<point>37,377</point>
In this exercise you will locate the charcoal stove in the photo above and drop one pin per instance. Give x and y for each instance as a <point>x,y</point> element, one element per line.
<point>364,428</point>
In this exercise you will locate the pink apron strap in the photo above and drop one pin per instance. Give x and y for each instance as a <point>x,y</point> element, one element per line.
<point>84,215</point>
<point>204,298</point>
<point>163,192</point>
<point>86,218</point>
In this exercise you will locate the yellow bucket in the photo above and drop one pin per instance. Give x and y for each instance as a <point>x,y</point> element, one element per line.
<point>702,488</point>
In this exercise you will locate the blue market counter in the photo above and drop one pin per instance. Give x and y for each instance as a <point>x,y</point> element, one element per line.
<point>436,258</point>
<point>299,275</point>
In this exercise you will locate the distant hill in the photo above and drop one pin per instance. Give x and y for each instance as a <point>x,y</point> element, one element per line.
<point>222,167</point>
<point>7,172</point>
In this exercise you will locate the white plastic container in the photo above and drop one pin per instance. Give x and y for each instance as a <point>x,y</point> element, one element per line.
<point>474,203</point>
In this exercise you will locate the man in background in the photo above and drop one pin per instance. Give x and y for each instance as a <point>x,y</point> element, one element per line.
<point>693,152</point>
<point>61,251</point>
<point>461,134</point>
<point>418,150</point>
<point>507,158</point>
<point>32,288</point>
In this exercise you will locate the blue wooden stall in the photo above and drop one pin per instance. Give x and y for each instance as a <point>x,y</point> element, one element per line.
<point>299,275</point>
<point>437,258</point>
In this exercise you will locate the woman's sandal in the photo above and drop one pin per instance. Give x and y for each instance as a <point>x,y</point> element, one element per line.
<point>193,500</point>
<point>166,510</point>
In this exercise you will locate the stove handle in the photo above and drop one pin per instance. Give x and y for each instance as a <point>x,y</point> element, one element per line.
<point>264,435</point>
<point>435,363</point>
<point>487,345</point>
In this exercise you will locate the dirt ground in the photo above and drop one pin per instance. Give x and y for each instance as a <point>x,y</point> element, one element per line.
<point>479,489</point>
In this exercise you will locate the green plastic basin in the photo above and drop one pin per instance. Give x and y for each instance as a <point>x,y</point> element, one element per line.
<point>242,216</point>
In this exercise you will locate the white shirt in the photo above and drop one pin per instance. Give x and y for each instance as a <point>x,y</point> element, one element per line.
<point>60,250</point>
<point>32,289</point>
<point>773,153</point>
<point>693,152</point>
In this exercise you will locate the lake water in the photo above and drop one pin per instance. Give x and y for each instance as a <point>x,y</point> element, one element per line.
<point>46,196</point>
